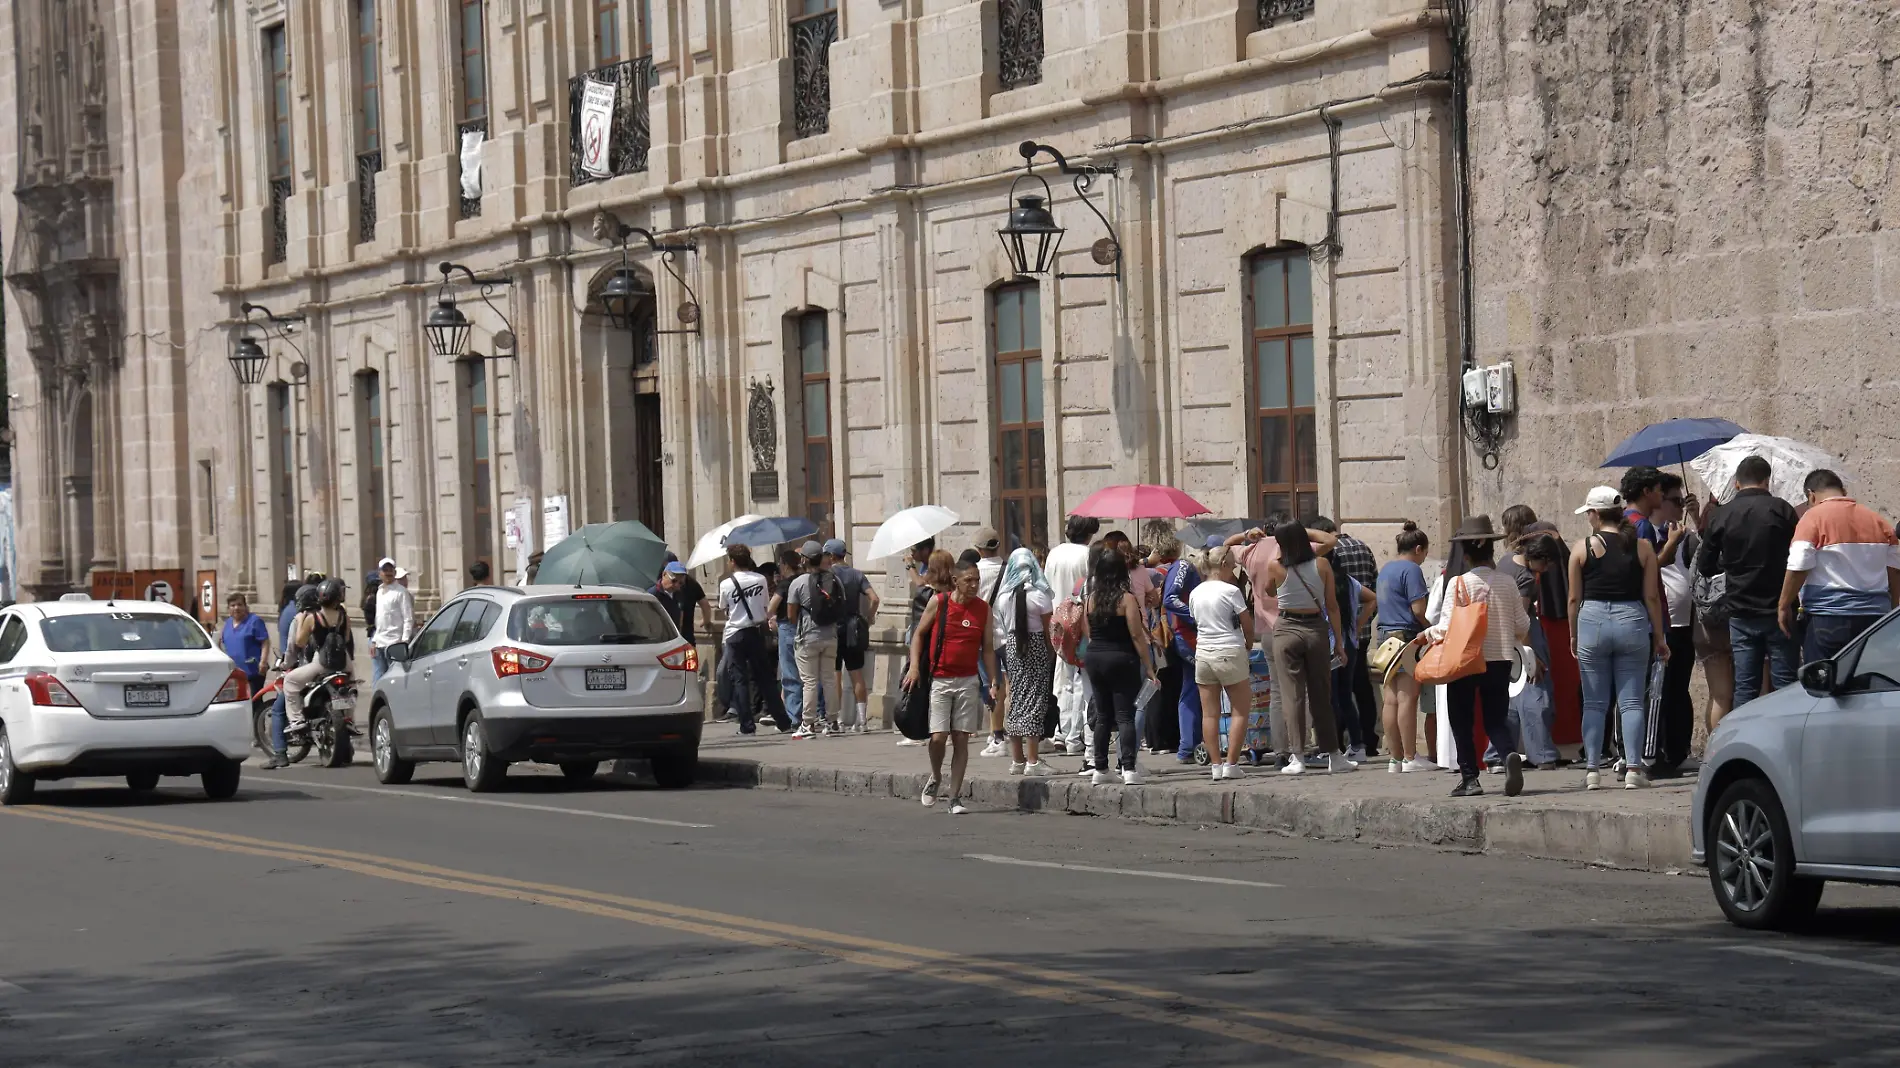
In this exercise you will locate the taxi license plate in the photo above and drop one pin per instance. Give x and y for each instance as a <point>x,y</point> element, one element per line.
<point>606,678</point>
<point>148,696</point>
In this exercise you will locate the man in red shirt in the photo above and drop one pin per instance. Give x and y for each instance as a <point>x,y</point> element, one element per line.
<point>955,631</point>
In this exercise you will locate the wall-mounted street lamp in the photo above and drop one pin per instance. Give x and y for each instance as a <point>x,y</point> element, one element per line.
<point>1031,238</point>
<point>448,328</point>
<point>622,293</point>
<point>248,358</point>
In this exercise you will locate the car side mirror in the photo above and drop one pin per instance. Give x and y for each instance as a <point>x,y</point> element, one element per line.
<point>1819,679</point>
<point>398,653</point>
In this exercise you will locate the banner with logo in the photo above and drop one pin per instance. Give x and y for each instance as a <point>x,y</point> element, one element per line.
<point>597,127</point>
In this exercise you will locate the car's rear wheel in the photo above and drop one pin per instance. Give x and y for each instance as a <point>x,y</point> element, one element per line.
<point>391,770</point>
<point>676,770</point>
<point>221,780</point>
<point>1751,860</point>
<point>16,786</point>
<point>579,770</point>
<point>482,770</point>
<point>142,781</point>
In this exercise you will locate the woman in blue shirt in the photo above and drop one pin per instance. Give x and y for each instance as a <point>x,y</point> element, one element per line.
<point>1402,596</point>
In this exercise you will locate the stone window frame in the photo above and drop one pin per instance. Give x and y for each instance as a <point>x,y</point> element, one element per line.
<point>1001,361</point>
<point>798,15</point>
<point>477,432</point>
<point>368,397</point>
<point>280,468</point>
<point>1296,496</point>
<point>820,506</point>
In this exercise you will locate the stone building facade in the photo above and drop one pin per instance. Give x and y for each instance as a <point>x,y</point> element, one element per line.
<point>1686,209</point>
<point>1276,330</point>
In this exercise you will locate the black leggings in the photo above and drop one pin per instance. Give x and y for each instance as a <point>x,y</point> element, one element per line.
<point>1493,688</point>
<point>1115,676</point>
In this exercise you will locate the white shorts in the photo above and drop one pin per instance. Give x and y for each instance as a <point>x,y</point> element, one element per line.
<point>956,705</point>
<point>1221,667</point>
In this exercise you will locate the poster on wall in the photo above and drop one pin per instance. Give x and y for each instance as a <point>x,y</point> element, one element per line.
<point>597,128</point>
<point>553,521</point>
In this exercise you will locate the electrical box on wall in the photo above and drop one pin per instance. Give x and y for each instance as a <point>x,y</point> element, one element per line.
<point>1500,389</point>
<point>1474,388</point>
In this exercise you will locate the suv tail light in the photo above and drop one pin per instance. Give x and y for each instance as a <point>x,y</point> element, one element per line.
<point>236,688</point>
<point>511,661</point>
<point>685,658</point>
<point>48,691</point>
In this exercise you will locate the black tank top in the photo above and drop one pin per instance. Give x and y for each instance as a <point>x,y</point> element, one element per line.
<point>1111,635</point>
<point>322,631</point>
<point>1615,575</point>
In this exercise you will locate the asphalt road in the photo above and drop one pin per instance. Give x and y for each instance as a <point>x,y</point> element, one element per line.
<point>321,920</point>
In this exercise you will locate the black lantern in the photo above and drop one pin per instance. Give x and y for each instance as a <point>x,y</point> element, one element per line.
<point>448,329</point>
<point>247,360</point>
<point>619,297</point>
<point>1031,238</point>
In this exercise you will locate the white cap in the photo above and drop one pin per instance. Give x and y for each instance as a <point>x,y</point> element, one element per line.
<point>386,561</point>
<point>402,573</point>
<point>1601,498</point>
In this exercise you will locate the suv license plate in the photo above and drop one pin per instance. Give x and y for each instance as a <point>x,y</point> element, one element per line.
<point>148,696</point>
<point>606,678</point>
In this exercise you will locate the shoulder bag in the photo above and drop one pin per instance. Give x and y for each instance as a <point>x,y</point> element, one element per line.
<point>913,712</point>
<point>1460,653</point>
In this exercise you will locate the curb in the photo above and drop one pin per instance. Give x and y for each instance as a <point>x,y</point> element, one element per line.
<point>1639,841</point>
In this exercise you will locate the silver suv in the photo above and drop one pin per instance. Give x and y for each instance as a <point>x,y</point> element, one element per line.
<point>1803,786</point>
<point>564,675</point>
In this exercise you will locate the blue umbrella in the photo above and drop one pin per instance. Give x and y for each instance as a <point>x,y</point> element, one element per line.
<point>1676,441</point>
<point>772,530</point>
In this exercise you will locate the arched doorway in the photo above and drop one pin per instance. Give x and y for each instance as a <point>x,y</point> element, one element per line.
<point>634,446</point>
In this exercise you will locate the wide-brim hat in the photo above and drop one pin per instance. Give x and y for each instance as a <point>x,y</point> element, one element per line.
<point>1476,529</point>
<point>1405,661</point>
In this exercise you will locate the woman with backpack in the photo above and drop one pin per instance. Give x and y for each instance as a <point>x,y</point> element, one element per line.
<point>1117,663</point>
<point>325,635</point>
<point>1024,603</point>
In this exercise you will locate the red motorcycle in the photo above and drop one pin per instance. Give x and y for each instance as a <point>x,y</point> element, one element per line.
<point>329,710</point>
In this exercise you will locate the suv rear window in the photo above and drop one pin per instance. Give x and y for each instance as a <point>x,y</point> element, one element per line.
<point>110,632</point>
<point>591,622</point>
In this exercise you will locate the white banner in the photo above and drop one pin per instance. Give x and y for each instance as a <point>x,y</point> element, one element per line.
<point>553,520</point>
<point>597,127</point>
<point>472,164</point>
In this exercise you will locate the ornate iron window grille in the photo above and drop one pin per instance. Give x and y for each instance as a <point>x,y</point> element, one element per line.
<point>1019,26</point>
<point>471,206</point>
<point>811,72</point>
<point>632,136</point>
<point>1276,12</point>
<point>367,166</point>
<point>279,219</point>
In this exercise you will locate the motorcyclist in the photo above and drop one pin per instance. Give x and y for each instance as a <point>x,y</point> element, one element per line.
<point>304,602</point>
<point>326,623</point>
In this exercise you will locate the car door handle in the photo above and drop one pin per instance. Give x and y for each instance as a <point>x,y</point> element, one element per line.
<point>461,661</point>
<point>428,673</point>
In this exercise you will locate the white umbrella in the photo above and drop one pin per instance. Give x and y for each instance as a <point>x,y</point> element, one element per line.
<point>909,527</point>
<point>712,546</point>
<point>1790,461</point>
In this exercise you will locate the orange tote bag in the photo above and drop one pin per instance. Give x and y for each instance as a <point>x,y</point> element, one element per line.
<point>1461,653</point>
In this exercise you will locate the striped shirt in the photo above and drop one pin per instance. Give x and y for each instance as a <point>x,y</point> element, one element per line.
<point>1506,621</point>
<point>1846,549</point>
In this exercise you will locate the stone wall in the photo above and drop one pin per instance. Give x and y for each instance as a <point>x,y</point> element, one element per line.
<point>1686,209</point>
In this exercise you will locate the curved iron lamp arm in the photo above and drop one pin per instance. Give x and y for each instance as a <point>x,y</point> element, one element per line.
<point>485,284</point>
<point>688,312</point>
<point>281,322</point>
<point>1108,251</point>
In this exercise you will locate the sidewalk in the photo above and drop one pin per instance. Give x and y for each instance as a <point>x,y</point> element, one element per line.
<point>1554,818</point>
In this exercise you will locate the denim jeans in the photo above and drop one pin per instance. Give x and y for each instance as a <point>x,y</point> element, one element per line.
<point>753,693</point>
<point>279,719</point>
<point>1825,636</point>
<point>1613,653</point>
<point>1189,707</point>
<point>378,663</point>
<point>1752,639</point>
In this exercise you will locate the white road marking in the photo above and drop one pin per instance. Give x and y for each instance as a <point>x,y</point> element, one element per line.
<point>498,804</point>
<point>11,988</point>
<point>990,859</point>
<point>1817,958</point>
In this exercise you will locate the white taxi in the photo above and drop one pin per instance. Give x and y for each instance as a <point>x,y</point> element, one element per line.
<point>132,688</point>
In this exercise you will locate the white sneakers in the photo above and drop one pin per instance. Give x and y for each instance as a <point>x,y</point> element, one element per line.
<point>1131,777</point>
<point>1016,767</point>
<point>1591,779</point>
<point>1040,767</point>
<point>1294,766</point>
<point>1340,763</point>
<point>1635,779</point>
<point>997,747</point>
<point>910,741</point>
<point>1100,778</point>
<point>1356,754</point>
<point>1419,763</point>
<point>1394,766</point>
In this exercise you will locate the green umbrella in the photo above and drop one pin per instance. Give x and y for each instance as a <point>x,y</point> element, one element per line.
<point>624,553</point>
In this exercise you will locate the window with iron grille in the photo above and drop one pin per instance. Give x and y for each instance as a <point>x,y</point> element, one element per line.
<point>1019,40</point>
<point>814,374</point>
<point>474,77</point>
<point>369,118</point>
<point>1022,481</point>
<point>1286,440</point>
<point>1277,12</point>
<point>814,25</point>
<point>277,66</point>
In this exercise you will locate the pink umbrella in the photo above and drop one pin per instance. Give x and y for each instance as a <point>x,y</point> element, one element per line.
<point>1140,502</point>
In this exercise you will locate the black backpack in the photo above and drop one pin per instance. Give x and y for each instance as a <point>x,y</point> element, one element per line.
<point>827,599</point>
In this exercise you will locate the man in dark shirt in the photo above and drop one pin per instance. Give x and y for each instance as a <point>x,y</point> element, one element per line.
<point>1747,543</point>
<point>669,591</point>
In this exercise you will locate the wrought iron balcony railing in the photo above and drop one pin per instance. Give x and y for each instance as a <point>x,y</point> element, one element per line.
<point>1019,26</point>
<point>280,189</point>
<point>368,164</point>
<point>1276,12</point>
<point>811,73</point>
<point>629,135</point>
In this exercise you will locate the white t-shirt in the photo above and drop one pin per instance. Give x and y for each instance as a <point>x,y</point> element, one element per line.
<point>1067,565</point>
<point>742,599</point>
<point>987,568</point>
<point>1217,607</point>
<point>1678,583</point>
<point>1004,616</point>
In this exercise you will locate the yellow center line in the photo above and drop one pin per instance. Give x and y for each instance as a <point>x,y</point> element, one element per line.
<point>1215,1017</point>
